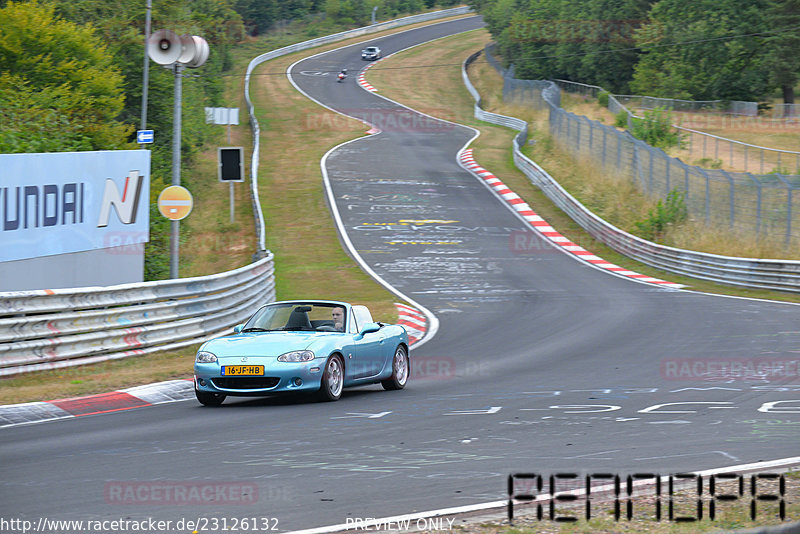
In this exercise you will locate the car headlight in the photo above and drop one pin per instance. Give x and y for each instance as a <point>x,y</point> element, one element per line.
<point>205,357</point>
<point>296,356</point>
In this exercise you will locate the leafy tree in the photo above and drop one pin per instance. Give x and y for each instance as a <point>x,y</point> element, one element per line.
<point>585,41</point>
<point>607,57</point>
<point>692,50</point>
<point>60,89</point>
<point>258,15</point>
<point>783,47</point>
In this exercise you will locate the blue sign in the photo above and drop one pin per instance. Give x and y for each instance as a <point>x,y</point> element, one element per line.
<point>144,136</point>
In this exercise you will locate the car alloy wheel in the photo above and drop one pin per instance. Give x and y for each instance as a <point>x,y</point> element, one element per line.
<point>401,367</point>
<point>332,379</point>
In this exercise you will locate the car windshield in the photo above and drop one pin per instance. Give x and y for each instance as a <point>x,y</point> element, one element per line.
<point>298,316</point>
<point>371,49</point>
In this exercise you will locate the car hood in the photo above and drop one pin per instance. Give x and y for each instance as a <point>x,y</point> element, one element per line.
<point>269,344</point>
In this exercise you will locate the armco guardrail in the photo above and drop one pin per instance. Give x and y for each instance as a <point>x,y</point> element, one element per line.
<point>782,275</point>
<point>414,19</point>
<point>51,329</point>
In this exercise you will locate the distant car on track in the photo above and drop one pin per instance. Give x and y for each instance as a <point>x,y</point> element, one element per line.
<point>371,53</point>
<point>302,346</point>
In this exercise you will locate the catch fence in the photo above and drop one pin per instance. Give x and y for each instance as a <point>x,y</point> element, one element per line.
<point>781,275</point>
<point>759,203</point>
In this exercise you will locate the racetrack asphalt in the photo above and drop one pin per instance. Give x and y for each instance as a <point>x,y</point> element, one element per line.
<point>541,363</point>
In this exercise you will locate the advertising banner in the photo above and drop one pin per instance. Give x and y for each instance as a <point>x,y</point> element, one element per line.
<point>64,202</point>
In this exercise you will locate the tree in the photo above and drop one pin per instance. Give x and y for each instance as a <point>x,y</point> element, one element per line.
<point>60,89</point>
<point>702,50</point>
<point>586,41</point>
<point>782,57</point>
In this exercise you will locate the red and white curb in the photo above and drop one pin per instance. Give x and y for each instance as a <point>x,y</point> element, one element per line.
<point>413,320</point>
<point>544,228</point>
<point>362,76</point>
<point>362,81</point>
<point>127,399</point>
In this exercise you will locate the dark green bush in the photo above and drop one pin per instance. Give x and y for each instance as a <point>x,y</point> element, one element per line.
<point>655,129</point>
<point>621,119</point>
<point>671,211</point>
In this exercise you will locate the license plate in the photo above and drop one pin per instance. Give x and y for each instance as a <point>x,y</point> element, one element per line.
<point>242,370</point>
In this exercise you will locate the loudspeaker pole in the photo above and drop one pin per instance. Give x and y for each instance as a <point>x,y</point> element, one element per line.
<point>166,48</point>
<point>176,166</point>
<point>146,71</point>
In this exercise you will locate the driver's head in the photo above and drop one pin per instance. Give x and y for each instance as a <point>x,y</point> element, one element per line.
<point>338,317</point>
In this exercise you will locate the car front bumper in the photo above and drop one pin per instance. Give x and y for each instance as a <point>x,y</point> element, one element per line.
<point>277,378</point>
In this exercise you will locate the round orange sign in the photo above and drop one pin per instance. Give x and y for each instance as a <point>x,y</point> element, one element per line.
<point>175,202</point>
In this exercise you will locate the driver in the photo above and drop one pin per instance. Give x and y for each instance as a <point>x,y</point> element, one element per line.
<point>338,318</point>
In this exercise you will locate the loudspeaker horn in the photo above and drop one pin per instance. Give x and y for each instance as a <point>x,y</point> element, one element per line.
<point>188,49</point>
<point>164,47</point>
<point>200,55</point>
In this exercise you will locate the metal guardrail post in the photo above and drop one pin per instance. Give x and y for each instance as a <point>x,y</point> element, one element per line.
<point>667,186</point>
<point>731,189</point>
<point>789,216</point>
<point>758,202</point>
<point>686,178</point>
<point>605,135</point>
<point>708,194</point>
<point>789,189</point>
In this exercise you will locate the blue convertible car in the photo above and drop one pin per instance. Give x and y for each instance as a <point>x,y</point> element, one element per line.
<point>302,346</point>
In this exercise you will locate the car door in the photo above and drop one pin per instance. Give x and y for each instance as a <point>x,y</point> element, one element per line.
<point>370,349</point>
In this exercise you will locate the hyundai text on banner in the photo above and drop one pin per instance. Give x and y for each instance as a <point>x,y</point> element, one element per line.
<point>65,202</point>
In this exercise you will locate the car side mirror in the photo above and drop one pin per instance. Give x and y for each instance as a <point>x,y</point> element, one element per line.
<point>369,328</point>
<point>238,328</point>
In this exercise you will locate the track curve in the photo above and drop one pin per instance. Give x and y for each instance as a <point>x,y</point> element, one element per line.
<point>541,363</point>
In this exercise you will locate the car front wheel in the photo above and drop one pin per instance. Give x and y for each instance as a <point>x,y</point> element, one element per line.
<point>401,367</point>
<point>332,379</point>
<point>209,399</point>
